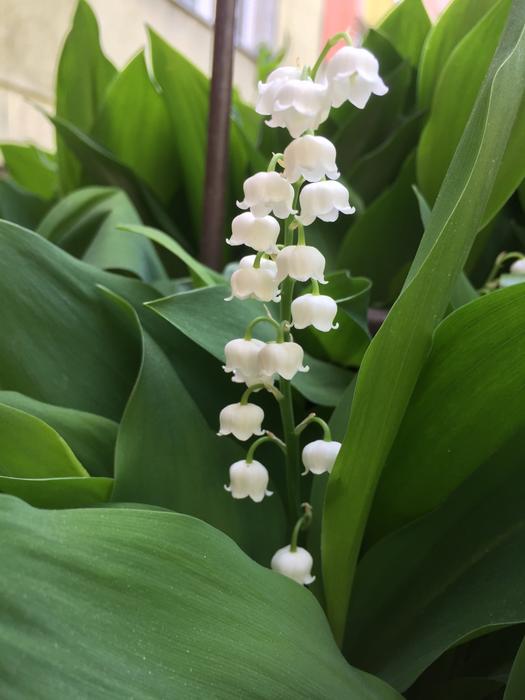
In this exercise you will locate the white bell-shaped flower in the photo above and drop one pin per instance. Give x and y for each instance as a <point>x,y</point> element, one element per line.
<point>266,192</point>
<point>311,157</point>
<point>301,263</point>
<point>352,74</point>
<point>296,565</point>
<point>284,359</point>
<point>243,356</point>
<point>299,105</point>
<point>319,456</point>
<point>249,480</point>
<point>323,200</point>
<point>317,310</point>
<point>249,282</point>
<point>241,420</point>
<point>260,233</point>
<point>268,90</point>
<point>518,267</point>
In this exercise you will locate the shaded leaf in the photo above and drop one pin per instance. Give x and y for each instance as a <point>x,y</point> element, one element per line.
<point>32,168</point>
<point>406,26</point>
<point>60,492</point>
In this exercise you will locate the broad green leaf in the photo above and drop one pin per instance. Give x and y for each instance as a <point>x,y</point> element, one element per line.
<point>378,168</point>
<point>455,421</point>
<point>515,689</point>
<point>92,438</point>
<point>84,74</point>
<point>211,322</point>
<point>202,275</point>
<point>364,130</point>
<point>59,492</point>
<point>19,205</point>
<point>394,359</point>
<point>31,448</point>
<point>168,456</point>
<point>456,21</point>
<point>454,574</point>
<point>382,241</point>
<point>86,224</point>
<point>51,310</point>
<point>406,26</point>
<point>185,92</point>
<point>103,168</point>
<point>124,602</point>
<point>133,124</point>
<point>32,168</point>
<point>453,100</point>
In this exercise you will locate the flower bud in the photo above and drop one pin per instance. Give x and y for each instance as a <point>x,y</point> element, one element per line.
<point>315,310</point>
<point>296,565</point>
<point>323,200</point>
<point>352,74</point>
<point>311,157</point>
<point>267,192</point>
<point>259,233</point>
<point>518,267</point>
<point>248,479</point>
<point>248,282</point>
<point>300,262</point>
<point>241,420</point>
<point>284,359</point>
<point>319,456</point>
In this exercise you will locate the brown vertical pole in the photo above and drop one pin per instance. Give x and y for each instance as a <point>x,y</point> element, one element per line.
<point>212,236</point>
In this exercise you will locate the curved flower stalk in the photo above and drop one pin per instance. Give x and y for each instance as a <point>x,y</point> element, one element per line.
<point>299,186</point>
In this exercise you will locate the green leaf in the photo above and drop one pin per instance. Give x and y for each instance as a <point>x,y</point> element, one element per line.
<point>19,205</point>
<point>185,614</point>
<point>451,106</point>
<point>168,456</point>
<point>92,438</point>
<point>31,448</point>
<point>515,689</point>
<point>84,74</point>
<point>455,574</point>
<point>202,275</point>
<point>134,125</point>
<point>32,168</point>
<point>185,91</point>
<point>103,168</point>
<point>454,421</point>
<point>452,25</point>
<point>51,306</point>
<point>204,317</point>
<point>61,492</point>
<point>406,27</point>
<point>382,241</point>
<point>394,359</point>
<point>86,224</point>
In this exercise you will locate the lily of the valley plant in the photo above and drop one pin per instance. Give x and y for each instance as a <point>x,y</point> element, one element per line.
<point>300,185</point>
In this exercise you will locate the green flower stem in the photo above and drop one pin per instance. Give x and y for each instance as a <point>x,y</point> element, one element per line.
<point>269,437</point>
<point>293,464</point>
<point>264,319</point>
<point>342,36</point>
<point>312,418</point>
<point>255,387</point>
<point>315,287</point>
<point>275,159</point>
<point>302,524</point>
<point>301,239</point>
<point>257,261</point>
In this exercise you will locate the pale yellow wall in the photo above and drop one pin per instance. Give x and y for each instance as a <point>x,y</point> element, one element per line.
<point>300,26</point>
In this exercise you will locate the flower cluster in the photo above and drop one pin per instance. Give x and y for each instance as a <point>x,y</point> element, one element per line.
<point>300,185</point>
